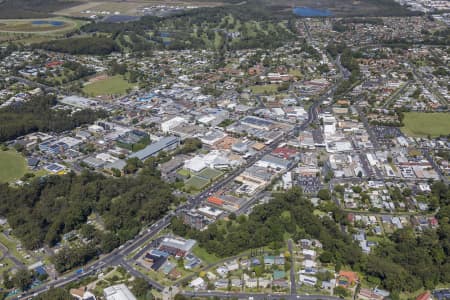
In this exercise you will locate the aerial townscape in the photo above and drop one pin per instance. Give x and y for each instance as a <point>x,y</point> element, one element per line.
<point>225,149</point>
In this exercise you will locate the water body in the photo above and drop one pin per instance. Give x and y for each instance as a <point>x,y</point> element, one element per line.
<point>166,38</point>
<point>44,22</point>
<point>311,12</point>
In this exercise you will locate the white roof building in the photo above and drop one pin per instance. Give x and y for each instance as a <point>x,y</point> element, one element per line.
<point>307,263</point>
<point>172,123</point>
<point>118,292</point>
<point>329,125</point>
<point>309,252</point>
<point>195,164</point>
<point>197,283</point>
<point>79,102</point>
<point>308,280</point>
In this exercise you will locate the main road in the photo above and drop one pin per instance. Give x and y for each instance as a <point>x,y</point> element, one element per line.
<point>274,296</point>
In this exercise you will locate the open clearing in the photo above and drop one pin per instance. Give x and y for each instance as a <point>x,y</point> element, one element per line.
<point>12,166</point>
<point>424,124</point>
<point>115,85</point>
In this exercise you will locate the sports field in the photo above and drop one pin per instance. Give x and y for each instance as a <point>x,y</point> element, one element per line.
<point>264,89</point>
<point>209,174</point>
<point>53,25</point>
<point>196,183</point>
<point>12,166</point>
<point>424,124</point>
<point>115,85</point>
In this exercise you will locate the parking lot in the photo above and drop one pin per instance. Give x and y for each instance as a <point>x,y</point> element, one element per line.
<point>385,133</point>
<point>310,185</point>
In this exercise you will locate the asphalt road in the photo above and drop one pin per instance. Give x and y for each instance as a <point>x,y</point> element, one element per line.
<point>225,295</point>
<point>7,254</point>
<point>293,275</point>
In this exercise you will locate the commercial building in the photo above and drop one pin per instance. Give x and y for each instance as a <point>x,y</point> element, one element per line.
<point>164,144</point>
<point>118,292</point>
<point>176,246</point>
<point>172,123</point>
<point>79,102</point>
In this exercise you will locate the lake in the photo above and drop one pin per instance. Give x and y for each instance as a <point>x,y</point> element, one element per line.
<point>44,22</point>
<point>311,12</point>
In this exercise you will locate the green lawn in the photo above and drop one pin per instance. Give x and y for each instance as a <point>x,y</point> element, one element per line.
<point>196,182</point>
<point>12,166</point>
<point>27,25</point>
<point>115,85</point>
<point>204,255</point>
<point>7,264</point>
<point>424,124</point>
<point>184,172</point>
<point>209,174</point>
<point>264,89</point>
<point>11,244</point>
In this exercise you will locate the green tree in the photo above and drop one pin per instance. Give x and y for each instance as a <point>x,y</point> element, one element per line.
<point>140,287</point>
<point>324,194</point>
<point>22,279</point>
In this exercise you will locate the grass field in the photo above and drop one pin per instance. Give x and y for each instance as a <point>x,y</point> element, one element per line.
<point>424,124</point>
<point>184,172</point>
<point>23,31</point>
<point>204,255</point>
<point>196,183</point>
<point>7,264</point>
<point>53,25</point>
<point>12,166</point>
<point>210,174</point>
<point>264,89</point>
<point>11,244</point>
<point>115,85</point>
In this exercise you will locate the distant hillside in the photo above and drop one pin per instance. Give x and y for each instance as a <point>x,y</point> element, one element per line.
<point>20,9</point>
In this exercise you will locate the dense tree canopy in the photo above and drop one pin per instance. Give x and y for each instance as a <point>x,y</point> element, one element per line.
<point>37,115</point>
<point>290,212</point>
<point>84,45</point>
<point>55,294</point>
<point>42,211</point>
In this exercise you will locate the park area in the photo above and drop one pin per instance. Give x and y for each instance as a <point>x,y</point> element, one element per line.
<point>426,124</point>
<point>12,166</point>
<point>114,85</point>
<point>265,89</point>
